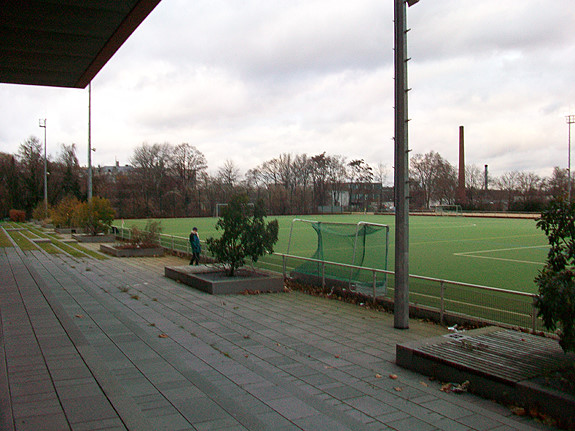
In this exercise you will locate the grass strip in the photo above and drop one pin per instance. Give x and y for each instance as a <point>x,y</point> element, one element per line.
<point>89,252</point>
<point>49,248</point>
<point>21,241</point>
<point>74,249</point>
<point>4,240</point>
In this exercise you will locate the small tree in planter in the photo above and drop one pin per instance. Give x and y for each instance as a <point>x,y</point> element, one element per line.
<point>95,216</point>
<point>556,281</point>
<point>245,234</point>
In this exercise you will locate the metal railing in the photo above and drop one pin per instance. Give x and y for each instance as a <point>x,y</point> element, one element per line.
<point>445,297</point>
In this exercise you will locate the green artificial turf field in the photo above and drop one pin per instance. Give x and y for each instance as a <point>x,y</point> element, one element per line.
<point>503,253</point>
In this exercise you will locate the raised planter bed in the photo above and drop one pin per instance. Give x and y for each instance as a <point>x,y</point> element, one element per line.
<point>94,238</point>
<point>131,252</point>
<point>66,230</point>
<point>215,281</point>
<point>499,364</point>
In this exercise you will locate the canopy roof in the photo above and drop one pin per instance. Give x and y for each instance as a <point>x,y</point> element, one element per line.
<point>64,43</point>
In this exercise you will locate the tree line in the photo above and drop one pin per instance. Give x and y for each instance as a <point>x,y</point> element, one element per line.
<point>166,180</point>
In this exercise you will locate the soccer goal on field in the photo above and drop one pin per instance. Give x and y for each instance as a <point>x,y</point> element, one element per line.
<point>361,245</point>
<point>449,210</point>
<point>220,207</point>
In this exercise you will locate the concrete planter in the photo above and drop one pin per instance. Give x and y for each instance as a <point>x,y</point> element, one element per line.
<point>132,252</point>
<point>94,238</point>
<point>216,282</point>
<point>66,230</point>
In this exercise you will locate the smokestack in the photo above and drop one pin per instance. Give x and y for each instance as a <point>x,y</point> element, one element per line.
<point>461,196</point>
<point>486,177</point>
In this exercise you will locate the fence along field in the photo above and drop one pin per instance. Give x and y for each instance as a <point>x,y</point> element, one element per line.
<point>504,254</point>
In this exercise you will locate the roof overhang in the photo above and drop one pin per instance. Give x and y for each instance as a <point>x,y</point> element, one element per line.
<point>64,43</point>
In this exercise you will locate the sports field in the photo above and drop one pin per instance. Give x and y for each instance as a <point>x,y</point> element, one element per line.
<point>503,253</point>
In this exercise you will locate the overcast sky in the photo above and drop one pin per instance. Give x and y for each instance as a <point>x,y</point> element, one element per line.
<point>248,80</point>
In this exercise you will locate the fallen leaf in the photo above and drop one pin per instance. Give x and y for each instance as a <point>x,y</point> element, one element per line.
<point>163,336</point>
<point>423,384</point>
<point>461,387</point>
<point>378,376</point>
<point>393,376</point>
<point>79,316</point>
<point>519,411</point>
<point>398,389</point>
<point>446,387</point>
<point>337,356</point>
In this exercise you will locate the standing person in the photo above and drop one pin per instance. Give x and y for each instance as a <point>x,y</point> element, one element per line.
<point>196,246</point>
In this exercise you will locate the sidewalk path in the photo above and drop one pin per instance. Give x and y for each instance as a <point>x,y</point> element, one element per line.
<point>113,345</point>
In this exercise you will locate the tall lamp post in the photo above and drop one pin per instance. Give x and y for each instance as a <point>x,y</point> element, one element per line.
<point>42,123</point>
<point>401,180</point>
<point>570,120</point>
<point>90,141</point>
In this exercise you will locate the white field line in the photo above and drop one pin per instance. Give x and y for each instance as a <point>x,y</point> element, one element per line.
<point>475,253</point>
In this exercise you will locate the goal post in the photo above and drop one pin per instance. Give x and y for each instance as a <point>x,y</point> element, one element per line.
<point>449,210</point>
<point>361,246</point>
<point>221,206</point>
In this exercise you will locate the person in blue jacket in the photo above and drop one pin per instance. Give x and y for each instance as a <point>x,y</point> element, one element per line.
<point>196,246</point>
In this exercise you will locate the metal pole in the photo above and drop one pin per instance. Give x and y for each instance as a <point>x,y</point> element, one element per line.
<point>43,125</point>
<point>89,141</point>
<point>401,180</point>
<point>570,120</point>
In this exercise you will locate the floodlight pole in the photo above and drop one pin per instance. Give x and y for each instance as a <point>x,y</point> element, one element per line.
<point>90,141</point>
<point>42,123</point>
<point>570,120</point>
<point>401,174</point>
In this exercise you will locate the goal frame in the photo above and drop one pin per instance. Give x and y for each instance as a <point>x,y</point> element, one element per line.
<point>358,226</point>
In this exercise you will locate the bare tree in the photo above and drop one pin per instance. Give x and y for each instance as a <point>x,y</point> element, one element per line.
<point>187,163</point>
<point>435,177</point>
<point>228,179</point>
<point>509,182</point>
<point>474,181</point>
<point>360,174</point>
<point>151,164</point>
<point>558,184</point>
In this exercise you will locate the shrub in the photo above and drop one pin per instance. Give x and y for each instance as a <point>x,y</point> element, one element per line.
<point>63,213</point>
<point>95,216</point>
<point>17,215</point>
<point>40,213</point>
<point>556,281</point>
<point>147,238</point>
<point>245,234</point>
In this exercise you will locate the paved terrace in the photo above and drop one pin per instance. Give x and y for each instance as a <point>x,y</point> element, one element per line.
<point>114,345</point>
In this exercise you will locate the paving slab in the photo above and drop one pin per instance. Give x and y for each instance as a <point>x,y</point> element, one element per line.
<point>160,355</point>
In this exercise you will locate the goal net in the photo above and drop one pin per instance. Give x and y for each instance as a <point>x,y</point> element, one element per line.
<point>362,245</point>
<point>221,206</point>
<point>449,210</point>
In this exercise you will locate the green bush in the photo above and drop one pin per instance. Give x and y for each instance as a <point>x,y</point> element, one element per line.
<point>245,234</point>
<point>95,216</point>
<point>556,281</point>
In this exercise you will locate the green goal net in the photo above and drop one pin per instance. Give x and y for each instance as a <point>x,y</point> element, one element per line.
<point>349,248</point>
